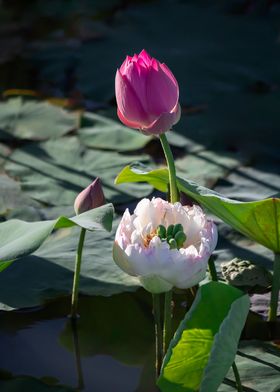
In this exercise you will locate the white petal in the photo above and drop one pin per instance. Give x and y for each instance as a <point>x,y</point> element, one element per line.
<point>158,266</point>
<point>121,259</point>
<point>155,284</point>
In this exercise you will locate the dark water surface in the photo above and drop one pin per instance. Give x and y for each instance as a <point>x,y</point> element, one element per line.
<point>111,350</point>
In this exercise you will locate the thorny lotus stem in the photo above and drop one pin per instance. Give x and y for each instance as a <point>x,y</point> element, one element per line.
<point>75,290</point>
<point>167,326</point>
<point>237,378</point>
<point>174,195</point>
<point>158,332</point>
<point>212,269</point>
<point>272,316</point>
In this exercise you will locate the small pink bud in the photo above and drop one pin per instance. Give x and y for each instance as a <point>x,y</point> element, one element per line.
<point>147,94</point>
<point>91,197</point>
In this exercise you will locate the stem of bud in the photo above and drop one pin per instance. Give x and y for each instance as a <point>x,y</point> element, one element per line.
<point>76,281</point>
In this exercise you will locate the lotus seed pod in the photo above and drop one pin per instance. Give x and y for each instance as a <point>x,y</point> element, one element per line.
<point>172,243</point>
<point>169,231</point>
<point>161,231</point>
<point>178,227</point>
<point>168,239</point>
<point>180,238</point>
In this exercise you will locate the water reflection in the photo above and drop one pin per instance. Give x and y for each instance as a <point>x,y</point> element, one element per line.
<point>111,347</point>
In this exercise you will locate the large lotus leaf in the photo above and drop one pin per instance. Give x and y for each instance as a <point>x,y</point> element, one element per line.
<point>252,183</point>
<point>206,167</point>
<point>54,172</point>
<point>34,120</point>
<point>19,238</point>
<point>102,132</point>
<point>111,135</point>
<point>11,195</point>
<point>259,220</point>
<point>196,359</point>
<point>4,152</point>
<point>259,368</point>
<point>48,272</point>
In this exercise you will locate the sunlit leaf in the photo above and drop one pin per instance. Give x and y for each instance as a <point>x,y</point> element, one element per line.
<point>258,220</point>
<point>19,238</point>
<point>197,359</point>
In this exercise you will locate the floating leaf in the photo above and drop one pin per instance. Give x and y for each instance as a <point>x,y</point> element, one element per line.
<point>196,359</point>
<point>54,172</point>
<point>252,183</point>
<point>110,135</point>
<point>34,120</point>
<point>19,238</point>
<point>258,365</point>
<point>11,196</point>
<point>258,220</point>
<point>206,167</point>
<point>48,272</point>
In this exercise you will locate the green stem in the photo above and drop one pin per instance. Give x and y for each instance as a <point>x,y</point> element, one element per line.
<point>237,378</point>
<point>167,325</point>
<point>174,195</point>
<point>272,316</point>
<point>75,290</point>
<point>212,269</point>
<point>158,332</point>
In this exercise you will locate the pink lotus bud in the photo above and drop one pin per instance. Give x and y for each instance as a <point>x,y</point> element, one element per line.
<point>89,198</point>
<point>147,94</point>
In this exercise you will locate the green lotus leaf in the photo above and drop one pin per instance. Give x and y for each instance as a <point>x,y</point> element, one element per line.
<point>34,120</point>
<point>196,359</point>
<point>19,238</point>
<point>108,134</point>
<point>258,220</point>
<point>55,171</point>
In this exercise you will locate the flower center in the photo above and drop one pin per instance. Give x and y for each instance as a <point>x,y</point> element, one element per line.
<point>148,238</point>
<point>174,235</point>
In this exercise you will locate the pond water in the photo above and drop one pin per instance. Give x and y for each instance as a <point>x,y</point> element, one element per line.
<point>109,348</point>
<point>112,350</point>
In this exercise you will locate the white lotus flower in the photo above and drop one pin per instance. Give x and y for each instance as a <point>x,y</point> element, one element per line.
<point>163,260</point>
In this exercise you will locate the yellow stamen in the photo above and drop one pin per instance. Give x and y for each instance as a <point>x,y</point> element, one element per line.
<point>148,238</point>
